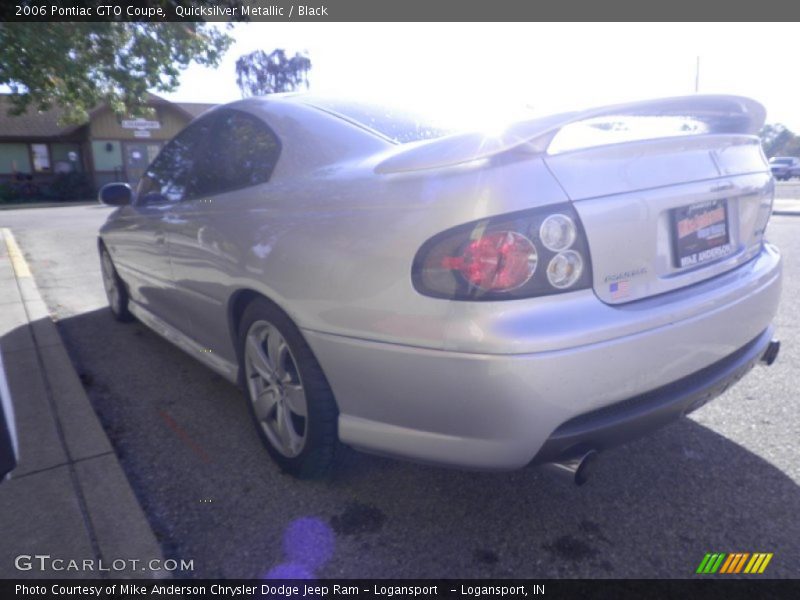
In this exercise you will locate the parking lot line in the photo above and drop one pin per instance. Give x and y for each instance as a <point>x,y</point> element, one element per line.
<point>15,254</point>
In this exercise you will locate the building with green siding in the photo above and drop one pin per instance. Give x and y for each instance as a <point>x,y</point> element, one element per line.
<point>37,146</point>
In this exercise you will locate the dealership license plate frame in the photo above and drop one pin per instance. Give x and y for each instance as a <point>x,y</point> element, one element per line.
<point>692,250</point>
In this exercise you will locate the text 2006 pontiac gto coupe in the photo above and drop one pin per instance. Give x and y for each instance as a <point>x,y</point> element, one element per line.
<point>484,301</point>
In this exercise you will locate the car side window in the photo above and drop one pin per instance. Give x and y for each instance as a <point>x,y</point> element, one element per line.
<point>173,175</point>
<point>244,153</point>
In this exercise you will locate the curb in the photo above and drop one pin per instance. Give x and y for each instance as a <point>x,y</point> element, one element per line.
<point>69,456</point>
<point>64,204</point>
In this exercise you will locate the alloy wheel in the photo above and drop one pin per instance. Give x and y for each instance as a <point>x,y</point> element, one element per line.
<point>276,390</point>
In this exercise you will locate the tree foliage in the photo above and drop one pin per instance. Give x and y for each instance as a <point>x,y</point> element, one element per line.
<point>78,66</point>
<point>259,73</point>
<point>778,140</point>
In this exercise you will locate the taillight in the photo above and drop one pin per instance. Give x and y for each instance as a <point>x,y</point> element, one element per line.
<point>498,261</point>
<point>519,255</point>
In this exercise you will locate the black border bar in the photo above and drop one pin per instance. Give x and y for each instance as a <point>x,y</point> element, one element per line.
<point>707,587</point>
<point>397,10</point>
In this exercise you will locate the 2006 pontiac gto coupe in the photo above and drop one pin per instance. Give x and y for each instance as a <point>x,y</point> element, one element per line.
<point>474,300</point>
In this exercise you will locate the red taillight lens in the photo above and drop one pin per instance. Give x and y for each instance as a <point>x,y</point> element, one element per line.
<point>499,261</point>
<point>496,258</point>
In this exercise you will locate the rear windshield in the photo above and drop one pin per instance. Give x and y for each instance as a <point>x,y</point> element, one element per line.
<point>397,124</point>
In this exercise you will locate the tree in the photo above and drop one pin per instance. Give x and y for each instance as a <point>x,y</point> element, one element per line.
<point>778,140</point>
<point>259,73</point>
<point>78,66</point>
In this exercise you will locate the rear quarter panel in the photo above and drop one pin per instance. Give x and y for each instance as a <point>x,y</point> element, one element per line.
<point>335,249</point>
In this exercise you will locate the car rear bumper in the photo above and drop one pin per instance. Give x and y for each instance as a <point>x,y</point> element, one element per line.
<point>500,411</point>
<point>632,418</point>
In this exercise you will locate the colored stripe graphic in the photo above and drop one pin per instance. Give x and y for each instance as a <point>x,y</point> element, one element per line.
<point>755,562</point>
<point>727,564</point>
<point>720,562</point>
<point>717,564</point>
<point>711,562</point>
<point>740,566</point>
<point>764,564</point>
<point>738,563</point>
<point>703,563</point>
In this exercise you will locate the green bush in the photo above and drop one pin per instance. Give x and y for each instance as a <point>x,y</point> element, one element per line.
<point>70,186</point>
<point>8,192</point>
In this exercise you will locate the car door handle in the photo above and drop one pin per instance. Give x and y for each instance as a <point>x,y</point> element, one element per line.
<point>173,219</point>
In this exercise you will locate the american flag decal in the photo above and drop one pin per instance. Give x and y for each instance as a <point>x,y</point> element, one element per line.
<point>619,289</point>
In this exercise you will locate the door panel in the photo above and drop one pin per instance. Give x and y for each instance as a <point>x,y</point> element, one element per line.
<point>204,264</point>
<point>205,236</point>
<point>168,181</point>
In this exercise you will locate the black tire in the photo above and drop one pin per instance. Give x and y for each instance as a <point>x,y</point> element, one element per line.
<point>321,446</point>
<point>117,302</point>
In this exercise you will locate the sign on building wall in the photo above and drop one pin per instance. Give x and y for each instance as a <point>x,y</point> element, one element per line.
<point>140,124</point>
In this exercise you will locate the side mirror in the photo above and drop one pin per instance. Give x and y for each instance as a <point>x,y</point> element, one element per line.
<point>115,194</point>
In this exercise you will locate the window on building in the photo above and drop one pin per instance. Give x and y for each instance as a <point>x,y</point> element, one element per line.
<point>41,157</point>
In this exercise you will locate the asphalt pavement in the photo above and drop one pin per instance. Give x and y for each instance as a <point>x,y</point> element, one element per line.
<point>724,480</point>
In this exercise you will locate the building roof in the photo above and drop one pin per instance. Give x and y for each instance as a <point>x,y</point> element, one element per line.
<point>49,123</point>
<point>33,123</point>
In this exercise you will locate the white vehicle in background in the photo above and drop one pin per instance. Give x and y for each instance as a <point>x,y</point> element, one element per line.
<point>784,168</point>
<point>535,295</point>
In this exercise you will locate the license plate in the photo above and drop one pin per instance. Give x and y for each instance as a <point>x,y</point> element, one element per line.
<point>700,233</point>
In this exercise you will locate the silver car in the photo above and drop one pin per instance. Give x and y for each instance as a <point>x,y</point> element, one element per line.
<point>372,279</point>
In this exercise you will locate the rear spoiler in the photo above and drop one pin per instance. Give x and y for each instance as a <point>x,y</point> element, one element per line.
<point>720,115</point>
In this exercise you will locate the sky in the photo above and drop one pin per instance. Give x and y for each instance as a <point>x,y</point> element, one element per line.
<point>548,67</point>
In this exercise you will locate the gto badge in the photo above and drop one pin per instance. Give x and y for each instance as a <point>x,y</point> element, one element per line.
<point>625,275</point>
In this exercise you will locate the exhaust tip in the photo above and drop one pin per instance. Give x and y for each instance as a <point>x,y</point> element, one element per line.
<point>771,353</point>
<point>578,469</point>
<point>586,467</point>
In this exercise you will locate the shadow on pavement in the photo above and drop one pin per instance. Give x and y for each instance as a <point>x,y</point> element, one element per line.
<point>653,509</point>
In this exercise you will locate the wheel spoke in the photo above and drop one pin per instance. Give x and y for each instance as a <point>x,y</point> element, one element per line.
<point>296,399</point>
<point>285,429</point>
<point>258,359</point>
<point>276,351</point>
<point>264,404</point>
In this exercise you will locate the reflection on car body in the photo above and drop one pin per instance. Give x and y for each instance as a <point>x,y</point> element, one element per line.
<point>8,433</point>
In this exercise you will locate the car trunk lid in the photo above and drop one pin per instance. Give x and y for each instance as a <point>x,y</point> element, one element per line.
<point>666,213</point>
<point>670,192</point>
